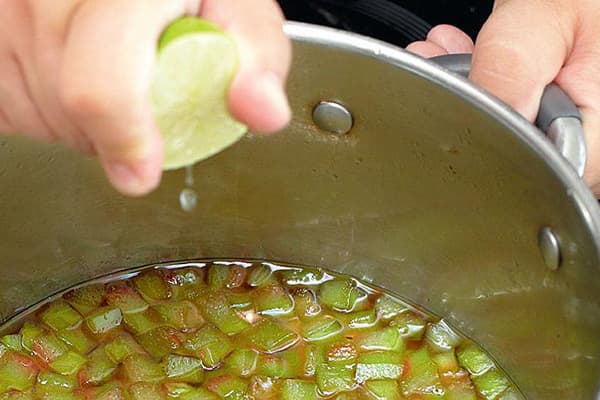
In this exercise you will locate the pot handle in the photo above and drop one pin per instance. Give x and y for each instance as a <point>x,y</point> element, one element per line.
<point>558,116</point>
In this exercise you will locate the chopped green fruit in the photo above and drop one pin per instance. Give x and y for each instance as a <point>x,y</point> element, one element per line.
<point>473,359</point>
<point>379,365</point>
<point>260,275</point>
<point>341,352</point>
<point>441,337</point>
<point>141,368</point>
<point>17,396</point>
<point>333,379</point>
<point>122,347</point>
<point>104,319</point>
<point>384,390</point>
<point>29,332</point>
<point>3,350</point>
<point>13,342</point>
<point>462,391</point>
<point>242,362</point>
<point>17,372</point>
<point>216,309</point>
<point>110,391</point>
<point>275,367</point>
<point>361,319</point>
<point>227,386</point>
<point>388,308</point>
<point>60,315</point>
<point>98,368</point>
<point>340,294</point>
<point>446,362</point>
<point>152,286</point>
<point>68,363</point>
<point>161,341</point>
<point>314,357</point>
<point>145,391</point>
<point>48,347</point>
<point>384,339</point>
<point>240,300</point>
<point>210,345</point>
<point>226,276</point>
<point>410,325</point>
<point>187,283</point>
<point>491,384</point>
<point>55,381</point>
<point>302,276</point>
<point>77,339</point>
<point>270,337</point>
<point>85,299</point>
<point>140,323</point>
<point>273,300</point>
<point>306,302</point>
<point>125,298</point>
<point>183,369</point>
<point>420,374</point>
<point>510,394</point>
<point>321,328</point>
<point>295,389</point>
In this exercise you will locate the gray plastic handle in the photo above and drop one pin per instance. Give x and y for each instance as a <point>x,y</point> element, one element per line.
<point>558,116</point>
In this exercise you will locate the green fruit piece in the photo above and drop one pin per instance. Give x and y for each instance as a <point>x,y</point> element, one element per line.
<point>183,369</point>
<point>360,319</point>
<point>302,276</point>
<point>379,365</point>
<point>333,379</point>
<point>68,363</point>
<point>388,308</point>
<point>410,325</point>
<point>270,337</point>
<point>110,391</point>
<point>275,367</point>
<point>273,300</point>
<point>491,384</point>
<point>195,66</point>
<point>341,352</point>
<point>49,381</point>
<point>60,315</point>
<point>17,372</point>
<point>306,303</point>
<point>98,369</point>
<point>473,359</point>
<point>446,362</point>
<point>226,276</point>
<point>209,345</point>
<point>314,356</point>
<point>217,310</point>
<point>240,300</point>
<point>242,362</point>
<point>77,339</point>
<point>441,337</point>
<point>260,275</point>
<point>384,389</point>
<point>122,347</point>
<point>17,396</point>
<point>321,328</point>
<point>145,391</point>
<point>186,283</point>
<point>85,299</point>
<point>383,339</point>
<point>421,374</point>
<point>29,332</point>
<point>462,389</point>
<point>161,341</point>
<point>13,342</point>
<point>141,368</point>
<point>48,347</point>
<point>228,386</point>
<point>140,323</point>
<point>340,294</point>
<point>182,315</point>
<point>104,319</point>
<point>152,286</point>
<point>125,298</point>
<point>295,389</point>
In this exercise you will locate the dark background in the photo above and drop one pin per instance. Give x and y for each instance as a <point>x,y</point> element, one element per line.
<point>395,21</point>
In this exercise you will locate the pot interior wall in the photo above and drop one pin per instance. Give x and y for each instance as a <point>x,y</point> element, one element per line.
<point>427,196</point>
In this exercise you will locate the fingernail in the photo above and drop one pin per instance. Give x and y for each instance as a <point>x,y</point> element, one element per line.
<point>133,180</point>
<point>273,89</point>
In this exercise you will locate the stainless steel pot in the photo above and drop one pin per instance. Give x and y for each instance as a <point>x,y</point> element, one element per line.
<point>438,192</point>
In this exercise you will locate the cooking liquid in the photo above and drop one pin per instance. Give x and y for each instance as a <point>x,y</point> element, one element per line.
<point>240,330</point>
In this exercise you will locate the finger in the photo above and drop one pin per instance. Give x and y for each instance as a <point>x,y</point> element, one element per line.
<point>426,49</point>
<point>450,38</point>
<point>257,95</point>
<point>508,59</point>
<point>105,82</point>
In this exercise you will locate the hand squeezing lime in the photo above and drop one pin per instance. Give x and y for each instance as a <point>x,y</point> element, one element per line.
<point>196,63</point>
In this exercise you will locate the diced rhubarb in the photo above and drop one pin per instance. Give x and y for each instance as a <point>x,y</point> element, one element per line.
<point>85,299</point>
<point>152,286</point>
<point>341,352</point>
<point>216,309</point>
<point>388,308</point>
<point>340,294</point>
<point>240,300</point>
<point>420,375</point>
<point>410,325</point>
<point>141,368</point>
<point>441,337</point>
<point>210,345</point>
<point>333,379</point>
<point>274,366</point>
<point>104,319</point>
<point>182,315</point>
<point>383,339</point>
<point>273,300</point>
<point>263,388</point>
<point>321,328</point>
<point>228,386</point>
<point>186,284</point>
<point>360,319</point>
<point>13,342</point>
<point>295,389</point>
<point>29,332</point>
<point>460,387</point>
<point>121,347</point>
<point>384,389</point>
<point>60,315</point>
<point>77,339</point>
<point>314,356</point>
<point>242,362</point>
<point>98,368</point>
<point>271,337</point>
<point>306,302</point>
<point>68,364</point>
<point>226,276</point>
<point>17,372</point>
<point>473,359</point>
<point>146,391</point>
<point>51,381</point>
<point>379,365</point>
<point>183,369</point>
<point>14,395</point>
<point>491,384</point>
<point>446,362</point>
<point>125,298</point>
<point>48,347</point>
<point>110,391</point>
<point>302,276</point>
<point>260,275</point>
<point>143,322</point>
<point>161,341</point>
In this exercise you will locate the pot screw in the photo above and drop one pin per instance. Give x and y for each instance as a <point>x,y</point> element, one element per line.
<point>333,117</point>
<point>550,248</point>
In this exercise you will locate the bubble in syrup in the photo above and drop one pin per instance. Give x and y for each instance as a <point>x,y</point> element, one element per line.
<point>188,199</point>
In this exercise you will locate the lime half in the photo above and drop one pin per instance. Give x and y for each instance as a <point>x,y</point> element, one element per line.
<point>196,63</point>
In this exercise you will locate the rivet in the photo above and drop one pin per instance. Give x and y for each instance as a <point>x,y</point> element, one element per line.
<point>333,117</point>
<point>550,248</point>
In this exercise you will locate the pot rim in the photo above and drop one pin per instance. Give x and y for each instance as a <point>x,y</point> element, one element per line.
<point>527,133</point>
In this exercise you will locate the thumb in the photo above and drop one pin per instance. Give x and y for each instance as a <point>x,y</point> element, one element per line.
<point>520,50</point>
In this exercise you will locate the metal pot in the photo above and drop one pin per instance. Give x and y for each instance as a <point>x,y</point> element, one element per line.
<point>438,192</point>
